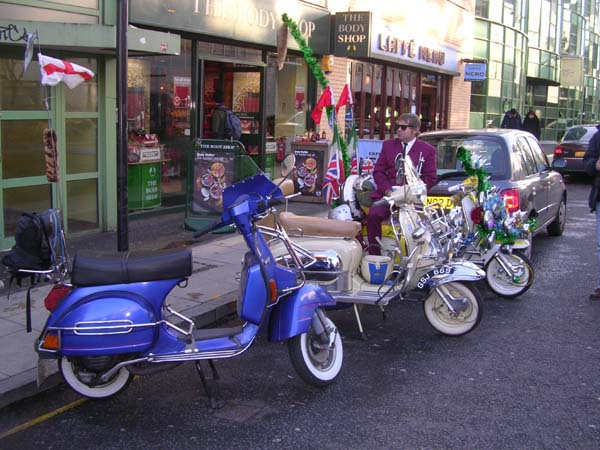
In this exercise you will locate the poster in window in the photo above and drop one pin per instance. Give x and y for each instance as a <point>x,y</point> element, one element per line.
<point>299,101</point>
<point>181,94</point>
<point>213,172</point>
<point>308,176</point>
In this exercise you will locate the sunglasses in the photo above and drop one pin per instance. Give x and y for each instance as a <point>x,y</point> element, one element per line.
<point>404,127</point>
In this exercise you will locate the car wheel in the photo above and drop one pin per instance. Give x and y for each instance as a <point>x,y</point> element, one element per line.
<point>557,227</point>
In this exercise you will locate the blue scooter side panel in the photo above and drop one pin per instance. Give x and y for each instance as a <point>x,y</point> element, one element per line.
<point>253,297</point>
<point>293,314</point>
<point>115,319</point>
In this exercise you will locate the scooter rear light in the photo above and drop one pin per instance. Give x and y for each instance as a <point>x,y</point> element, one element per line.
<point>50,341</point>
<point>55,296</point>
<point>558,151</point>
<point>511,199</point>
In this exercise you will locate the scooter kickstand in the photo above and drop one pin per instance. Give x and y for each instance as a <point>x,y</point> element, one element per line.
<point>213,369</point>
<point>213,402</point>
<point>363,336</point>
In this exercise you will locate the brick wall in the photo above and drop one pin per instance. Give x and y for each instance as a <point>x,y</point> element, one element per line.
<point>460,101</point>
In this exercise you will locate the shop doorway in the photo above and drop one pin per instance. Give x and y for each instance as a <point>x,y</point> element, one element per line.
<point>428,108</point>
<point>240,87</point>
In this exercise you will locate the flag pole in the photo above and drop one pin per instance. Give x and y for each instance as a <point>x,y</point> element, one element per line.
<point>122,193</point>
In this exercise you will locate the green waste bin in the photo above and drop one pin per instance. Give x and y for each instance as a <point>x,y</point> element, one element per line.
<point>143,185</point>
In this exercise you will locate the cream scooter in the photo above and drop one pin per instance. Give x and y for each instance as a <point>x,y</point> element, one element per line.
<point>333,258</point>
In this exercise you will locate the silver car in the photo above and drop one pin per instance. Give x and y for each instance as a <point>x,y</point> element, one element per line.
<point>516,164</point>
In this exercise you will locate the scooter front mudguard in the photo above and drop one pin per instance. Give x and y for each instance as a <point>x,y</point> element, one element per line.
<point>115,319</point>
<point>451,271</point>
<point>293,314</point>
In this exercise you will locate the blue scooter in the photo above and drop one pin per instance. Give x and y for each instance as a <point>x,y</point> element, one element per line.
<point>110,323</point>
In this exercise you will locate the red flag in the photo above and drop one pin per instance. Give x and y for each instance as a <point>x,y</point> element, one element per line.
<point>325,101</point>
<point>56,70</point>
<point>345,98</point>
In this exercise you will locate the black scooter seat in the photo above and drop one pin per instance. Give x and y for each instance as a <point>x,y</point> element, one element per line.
<point>92,271</point>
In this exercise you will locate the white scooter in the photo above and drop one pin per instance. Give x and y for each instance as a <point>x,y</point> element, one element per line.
<point>508,271</point>
<point>333,258</point>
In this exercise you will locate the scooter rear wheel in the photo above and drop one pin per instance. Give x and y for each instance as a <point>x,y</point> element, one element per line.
<point>80,379</point>
<point>502,284</point>
<point>315,363</point>
<point>458,323</point>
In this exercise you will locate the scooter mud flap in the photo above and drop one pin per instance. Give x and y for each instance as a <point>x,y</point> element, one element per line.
<point>46,367</point>
<point>293,315</point>
<point>460,271</point>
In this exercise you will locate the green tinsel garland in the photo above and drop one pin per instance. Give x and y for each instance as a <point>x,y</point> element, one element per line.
<point>317,71</point>
<point>483,182</point>
<point>483,185</point>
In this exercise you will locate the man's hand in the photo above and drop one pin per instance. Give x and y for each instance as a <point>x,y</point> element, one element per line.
<point>598,165</point>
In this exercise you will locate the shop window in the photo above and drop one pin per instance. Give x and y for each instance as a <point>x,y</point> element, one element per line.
<point>84,98</point>
<point>159,105</point>
<point>20,92</point>
<point>286,105</point>
<point>81,145</point>
<point>24,199</point>
<point>22,148</point>
<point>82,198</point>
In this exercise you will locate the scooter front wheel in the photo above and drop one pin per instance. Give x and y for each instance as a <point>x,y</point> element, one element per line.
<point>466,311</point>
<point>84,380</point>
<point>504,284</point>
<point>317,363</point>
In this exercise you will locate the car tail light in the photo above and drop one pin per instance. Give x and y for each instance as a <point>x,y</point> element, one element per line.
<point>558,151</point>
<point>511,199</point>
<point>55,296</point>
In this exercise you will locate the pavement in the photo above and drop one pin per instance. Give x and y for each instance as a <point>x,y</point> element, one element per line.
<point>210,295</point>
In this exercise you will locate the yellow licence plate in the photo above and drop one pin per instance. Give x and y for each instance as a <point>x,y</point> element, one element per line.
<point>579,154</point>
<point>445,202</point>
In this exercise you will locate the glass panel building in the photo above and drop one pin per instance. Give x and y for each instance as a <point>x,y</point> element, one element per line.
<point>542,56</point>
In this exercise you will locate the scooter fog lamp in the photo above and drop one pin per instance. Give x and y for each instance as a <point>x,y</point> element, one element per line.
<point>273,290</point>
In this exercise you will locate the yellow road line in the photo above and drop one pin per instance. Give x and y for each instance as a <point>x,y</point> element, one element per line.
<point>43,417</point>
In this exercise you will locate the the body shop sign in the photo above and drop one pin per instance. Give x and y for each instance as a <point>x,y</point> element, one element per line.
<point>352,31</point>
<point>253,21</point>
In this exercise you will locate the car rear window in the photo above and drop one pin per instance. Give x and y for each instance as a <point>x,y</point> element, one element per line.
<point>489,150</point>
<point>579,134</point>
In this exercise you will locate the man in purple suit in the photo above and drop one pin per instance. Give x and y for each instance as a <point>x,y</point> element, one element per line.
<point>385,171</point>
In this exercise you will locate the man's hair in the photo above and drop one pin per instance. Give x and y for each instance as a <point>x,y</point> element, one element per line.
<point>218,96</point>
<point>513,111</point>
<point>410,119</point>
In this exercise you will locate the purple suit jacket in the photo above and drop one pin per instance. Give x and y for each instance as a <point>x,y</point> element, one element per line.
<point>384,172</point>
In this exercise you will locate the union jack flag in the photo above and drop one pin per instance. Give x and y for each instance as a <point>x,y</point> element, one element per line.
<point>331,182</point>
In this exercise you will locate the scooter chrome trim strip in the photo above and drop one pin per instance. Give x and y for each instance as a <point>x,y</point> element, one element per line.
<point>178,357</point>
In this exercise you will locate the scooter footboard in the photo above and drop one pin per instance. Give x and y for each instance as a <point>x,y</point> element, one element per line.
<point>293,314</point>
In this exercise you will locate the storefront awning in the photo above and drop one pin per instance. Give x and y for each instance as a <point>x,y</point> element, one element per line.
<point>92,38</point>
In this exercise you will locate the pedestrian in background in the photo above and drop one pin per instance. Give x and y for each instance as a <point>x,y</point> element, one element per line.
<point>591,164</point>
<point>531,123</point>
<point>512,119</point>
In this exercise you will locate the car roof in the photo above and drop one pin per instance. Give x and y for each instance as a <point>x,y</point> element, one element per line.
<point>474,131</point>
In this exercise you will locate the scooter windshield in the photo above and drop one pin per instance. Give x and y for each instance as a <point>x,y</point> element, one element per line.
<point>247,178</point>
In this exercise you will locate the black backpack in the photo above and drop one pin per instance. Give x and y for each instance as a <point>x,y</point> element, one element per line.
<point>233,125</point>
<point>32,246</point>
